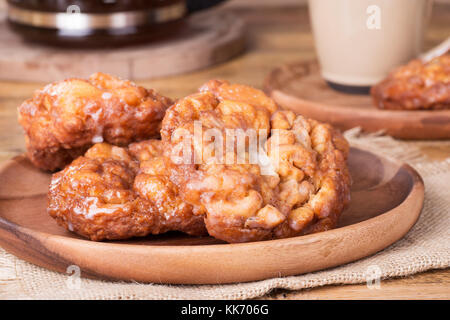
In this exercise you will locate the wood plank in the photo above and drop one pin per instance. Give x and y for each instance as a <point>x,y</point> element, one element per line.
<point>428,285</point>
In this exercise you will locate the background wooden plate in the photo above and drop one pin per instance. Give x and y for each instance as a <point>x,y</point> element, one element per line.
<point>299,87</point>
<point>387,198</point>
<point>209,37</point>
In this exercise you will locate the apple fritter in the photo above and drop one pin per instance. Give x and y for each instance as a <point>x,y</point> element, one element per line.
<point>416,86</point>
<point>62,120</point>
<point>109,194</point>
<point>229,163</point>
<point>305,189</point>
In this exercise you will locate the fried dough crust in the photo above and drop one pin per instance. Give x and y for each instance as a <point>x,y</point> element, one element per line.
<point>306,192</point>
<point>192,181</point>
<point>62,120</point>
<point>416,86</point>
<point>111,193</point>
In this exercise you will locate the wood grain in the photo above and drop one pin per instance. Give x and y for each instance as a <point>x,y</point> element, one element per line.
<point>276,36</point>
<point>299,87</point>
<point>432,284</point>
<point>386,204</point>
<point>205,39</point>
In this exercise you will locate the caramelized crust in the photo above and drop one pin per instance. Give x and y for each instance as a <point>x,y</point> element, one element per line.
<point>65,118</point>
<point>306,191</point>
<point>223,90</point>
<point>104,195</point>
<point>416,86</point>
<point>153,184</point>
<point>310,160</point>
<point>296,183</point>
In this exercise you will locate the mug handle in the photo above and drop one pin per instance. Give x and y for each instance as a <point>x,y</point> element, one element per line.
<point>439,50</point>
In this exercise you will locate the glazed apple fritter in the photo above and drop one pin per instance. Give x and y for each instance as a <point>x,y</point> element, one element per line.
<point>296,183</point>
<point>62,120</point>
<point>306,193</point>
<point>416,86</point>
<point>152,183</point>
<point>106,195</point>
<point>314,182</point>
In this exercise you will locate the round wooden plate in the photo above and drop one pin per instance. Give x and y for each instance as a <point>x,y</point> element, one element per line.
<point>209,37</point>
<point>299,87</point>
<point>387,198</point>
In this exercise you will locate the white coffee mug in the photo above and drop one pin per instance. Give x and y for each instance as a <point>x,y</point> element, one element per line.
<point>359,41</point>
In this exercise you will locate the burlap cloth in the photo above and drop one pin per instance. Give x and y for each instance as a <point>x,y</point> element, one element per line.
<point>426,246</point>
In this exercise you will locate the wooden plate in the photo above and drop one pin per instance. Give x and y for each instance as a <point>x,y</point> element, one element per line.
<point>387,198</point>
<point>299,87</point>
<point>210,37</point>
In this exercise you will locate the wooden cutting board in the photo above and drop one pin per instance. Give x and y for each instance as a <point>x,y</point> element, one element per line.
<point>387,198</point>
<point>298,86</point>
<point>209,37</point>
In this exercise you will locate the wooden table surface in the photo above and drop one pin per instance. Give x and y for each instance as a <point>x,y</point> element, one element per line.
<point>276,35</point>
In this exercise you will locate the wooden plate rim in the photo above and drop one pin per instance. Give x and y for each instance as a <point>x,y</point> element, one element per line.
<point>272,88</point>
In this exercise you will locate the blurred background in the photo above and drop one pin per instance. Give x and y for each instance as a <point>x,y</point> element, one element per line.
<point>275,33</point>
